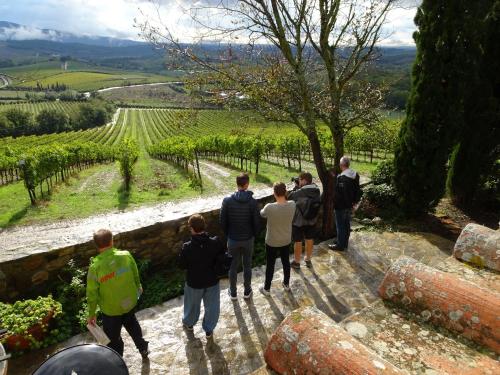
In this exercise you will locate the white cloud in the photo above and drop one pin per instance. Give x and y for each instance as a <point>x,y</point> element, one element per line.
<point>25,32</point>
<point>116,18</point>
<point>400,27</point>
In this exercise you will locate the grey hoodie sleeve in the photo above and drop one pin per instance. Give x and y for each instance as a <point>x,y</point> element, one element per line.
<point>263,212</point>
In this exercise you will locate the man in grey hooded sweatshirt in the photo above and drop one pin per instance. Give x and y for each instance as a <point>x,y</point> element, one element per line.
<point>347,196</point>
<point>240,221</point>
<point>306,195</point>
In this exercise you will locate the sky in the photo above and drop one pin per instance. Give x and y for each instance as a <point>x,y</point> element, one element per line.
<point>115,18</point>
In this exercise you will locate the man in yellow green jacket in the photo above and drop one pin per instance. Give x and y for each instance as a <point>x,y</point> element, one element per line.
<point>113,283</point>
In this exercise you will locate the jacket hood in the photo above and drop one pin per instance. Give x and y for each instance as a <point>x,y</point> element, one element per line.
<point>351,173</point>
<point>200,238</point>
<point>242,196</point>
<point>311,190</point>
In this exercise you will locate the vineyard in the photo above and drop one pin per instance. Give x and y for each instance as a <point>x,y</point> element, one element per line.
<point>169,146</point>
<point>91,81</point>
<point>70,108</point>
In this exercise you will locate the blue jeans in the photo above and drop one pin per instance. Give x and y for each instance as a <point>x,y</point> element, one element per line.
<point>192,303</point>
<point>343,223</point>
<point>239,250</point>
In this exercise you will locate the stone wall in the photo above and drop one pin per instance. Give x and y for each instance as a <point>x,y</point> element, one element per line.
<point>160,242</point>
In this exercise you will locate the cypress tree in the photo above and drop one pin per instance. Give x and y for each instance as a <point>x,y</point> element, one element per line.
<point>479,148</point>
<point>435,107</point>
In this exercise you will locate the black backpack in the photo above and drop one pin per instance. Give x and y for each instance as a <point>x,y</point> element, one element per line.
<point>312,207</point>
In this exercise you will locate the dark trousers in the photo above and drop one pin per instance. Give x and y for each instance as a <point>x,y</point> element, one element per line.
<point>343,222</point>
<point>272,253</point>
<point>112,326</point>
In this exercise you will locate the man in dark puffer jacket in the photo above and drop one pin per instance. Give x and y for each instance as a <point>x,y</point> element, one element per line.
<point>199,257</point>
<point>240,221</point>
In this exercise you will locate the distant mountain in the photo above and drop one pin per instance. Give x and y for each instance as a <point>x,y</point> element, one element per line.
<point>25,45</point>
<point>10,31</point>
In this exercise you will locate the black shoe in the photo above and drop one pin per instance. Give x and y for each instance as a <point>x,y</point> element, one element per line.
<point>189,328</point>
<point>336,248</point>
<point>308,263</point>
<point>295,265</point>
<point>247,294</point>
<point>209,335</point>
<point>233,296</point>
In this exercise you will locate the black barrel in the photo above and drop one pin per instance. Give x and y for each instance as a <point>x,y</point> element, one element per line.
<point>86,359</point>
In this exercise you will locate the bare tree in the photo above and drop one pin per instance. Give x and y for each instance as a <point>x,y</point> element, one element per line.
<point>311,70</point>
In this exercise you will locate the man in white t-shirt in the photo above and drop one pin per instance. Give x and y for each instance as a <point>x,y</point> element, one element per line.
<point>278,235</point>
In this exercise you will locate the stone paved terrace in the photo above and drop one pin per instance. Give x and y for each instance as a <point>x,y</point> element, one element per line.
<point>342,285</point>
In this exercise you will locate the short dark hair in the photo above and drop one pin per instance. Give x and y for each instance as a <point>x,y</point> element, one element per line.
<point>279,189</point>
<point>242,179</point>
<point>306,176</point>
<point>103,238</point>
<point>197,222</point>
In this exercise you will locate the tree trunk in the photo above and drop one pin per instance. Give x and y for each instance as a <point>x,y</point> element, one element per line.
<point>328,182</point>
<point>198,167</point>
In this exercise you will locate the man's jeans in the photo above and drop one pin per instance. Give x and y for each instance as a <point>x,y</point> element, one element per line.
<point>239,250</point>
<point>343,222</point>
<point>211,303</point>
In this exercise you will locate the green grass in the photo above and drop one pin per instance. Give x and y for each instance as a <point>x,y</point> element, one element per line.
<point>364,168</point>
<point>97,190</point>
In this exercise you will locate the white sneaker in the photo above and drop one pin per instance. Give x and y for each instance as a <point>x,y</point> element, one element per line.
<point>264,291</point>
<point>286,287</point>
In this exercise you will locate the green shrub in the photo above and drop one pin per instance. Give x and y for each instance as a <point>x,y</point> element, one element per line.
<point>381,195</point>
<point>71,293</point>
<point>383,173</point>
<point>160,288</point>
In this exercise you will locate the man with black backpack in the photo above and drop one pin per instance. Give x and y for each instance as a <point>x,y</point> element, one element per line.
<point>347,196</point>
<point>201,257</point>
<point>307,198</point>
